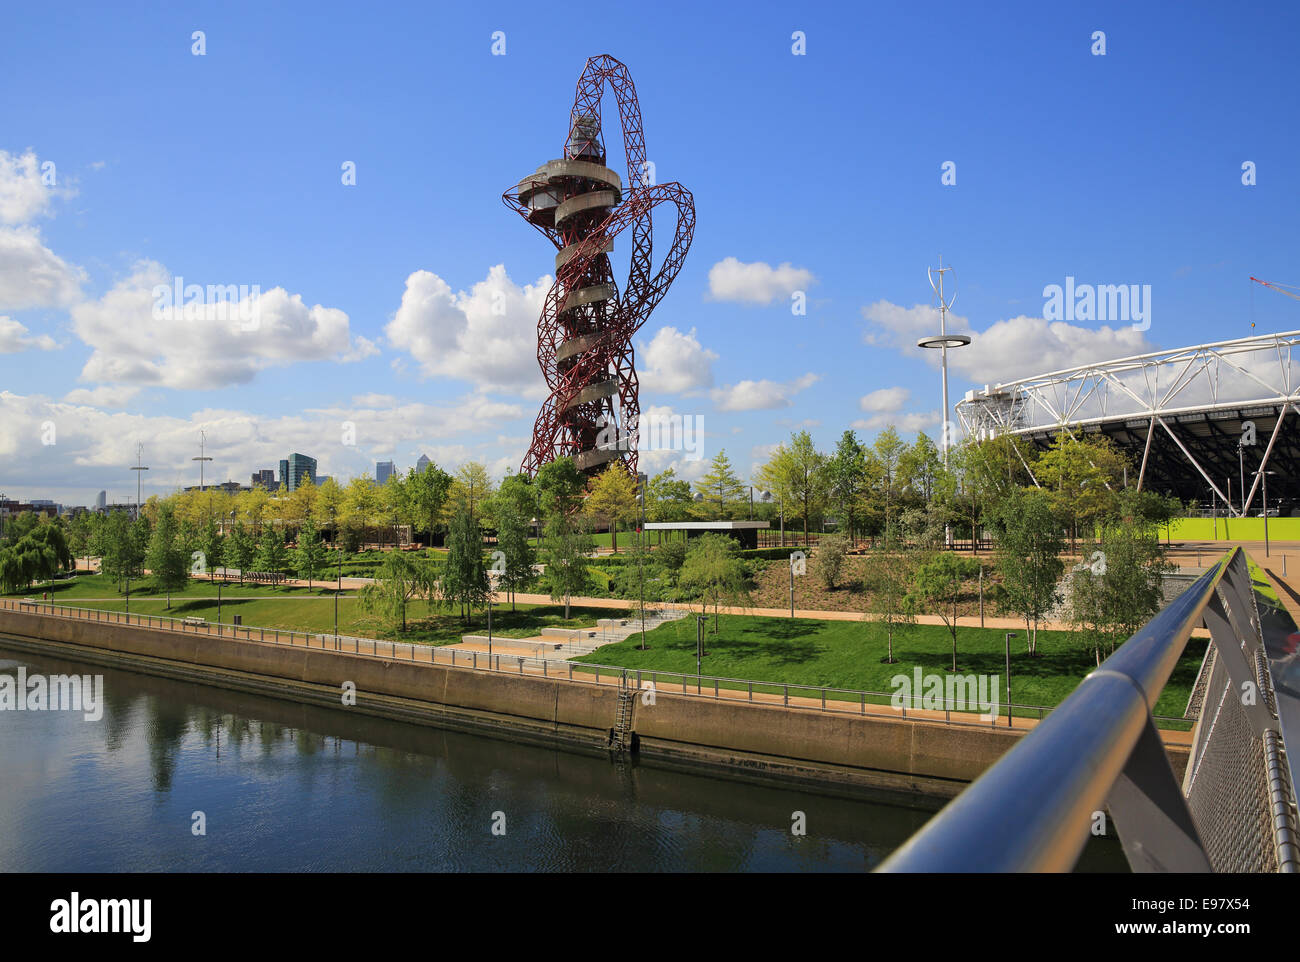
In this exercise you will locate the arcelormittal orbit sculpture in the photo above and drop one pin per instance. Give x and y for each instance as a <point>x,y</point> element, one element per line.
<point>584,334</point>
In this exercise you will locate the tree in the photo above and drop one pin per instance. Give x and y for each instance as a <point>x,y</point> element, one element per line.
<point>471,487</point>
<point>37,555</point>
<point>1116,590</point>
<point>516,554</point>
<point>612,499</point>
<point>464,578</point>
<point>115,546</point>
<point>1029,546</point>
<point>1081,477</point>
<point>797,474</point>
<point>329,503</point>
<point>517,494</point>
<point>252,506</point>
<point>426,497</point>
<point>360,506</point>
<point>714,569</point>
<point>240,549</point>
<point>560,486</point>
<point>210,543</point>
<point>889,448</point>
<point>887,576</point>
<point>167,559</point>
<point>398,579</point>
<point>271,555</point>
<point>79,534</point>
<point>720,484</point>
<point>846,476</point>
<point>309,556</point>
<point>829,557</point>
<point>299,505</point>
<point>138,547</point>
<point>565,548</point>
<point>938,584</point>
<point>919,467</point>
<point>921,526</point>
<point>668,498</point>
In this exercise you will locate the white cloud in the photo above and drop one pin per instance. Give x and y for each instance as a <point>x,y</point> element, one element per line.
<point>486,336</point>
<point>885,399</point>
<point>204,346</point>
<point>756,283</point>
<point>93,446</point>
<point>374,400</point>
<point>903,423</point>
<point>1008,349</point>
<point>31,275</point>
<point>1022,346</point>
<point>761,395</point>
<point>104,396</point>
<point>23,193</point>
<point>673,362</point>
<point>15,337</point>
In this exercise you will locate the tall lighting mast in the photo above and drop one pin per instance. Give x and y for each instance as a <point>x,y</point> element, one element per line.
<point>139,456</point>
<point>943,341</point>
<point>203,440</point>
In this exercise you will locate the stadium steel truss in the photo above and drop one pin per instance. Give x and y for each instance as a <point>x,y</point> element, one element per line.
<point>1203,420</point>
<point>584,334</point>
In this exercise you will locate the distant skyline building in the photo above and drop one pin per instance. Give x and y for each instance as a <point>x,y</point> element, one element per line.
<point>422,465</point>
<point>264,478</point>
<point>299,468</point>
<point>284,471</point>
<point>383,471</point>
<point>101,501</point>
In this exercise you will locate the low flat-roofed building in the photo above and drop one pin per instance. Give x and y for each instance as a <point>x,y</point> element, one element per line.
<point>746,532</point>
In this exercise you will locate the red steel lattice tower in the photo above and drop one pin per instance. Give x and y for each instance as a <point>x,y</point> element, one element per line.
<point>584,334</point>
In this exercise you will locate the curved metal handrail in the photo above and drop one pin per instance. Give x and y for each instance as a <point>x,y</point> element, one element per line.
<point>1032,810</point>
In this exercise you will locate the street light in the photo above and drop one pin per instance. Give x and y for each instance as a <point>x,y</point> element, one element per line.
<point>641,481</point>
<point>699,650</point>
<point>792,554</point>
<point>1010,635</point>
<point>1263,476</point>
<point>1241,466</point>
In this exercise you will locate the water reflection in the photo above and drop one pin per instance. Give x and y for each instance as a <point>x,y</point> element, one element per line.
<point>290,787</point>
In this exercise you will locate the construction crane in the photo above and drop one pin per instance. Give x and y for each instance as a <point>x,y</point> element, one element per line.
<point>1280,288</point>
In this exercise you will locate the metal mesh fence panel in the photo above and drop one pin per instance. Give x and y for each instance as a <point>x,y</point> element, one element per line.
<point>1227,785</point>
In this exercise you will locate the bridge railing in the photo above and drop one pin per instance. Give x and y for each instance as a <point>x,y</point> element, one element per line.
<point>1099,752</point>
<point>821,698</point>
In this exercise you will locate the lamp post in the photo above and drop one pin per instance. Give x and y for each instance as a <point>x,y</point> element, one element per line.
<point>489,608</point>
<point>699,651</point>
<point>792,584</point>
<point>1263,476</point>
<point>641,481</point>
<point>1241,466</point>
<point>1010,635</point>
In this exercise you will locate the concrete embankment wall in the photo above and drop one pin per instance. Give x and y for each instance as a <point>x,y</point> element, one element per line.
<point>893,757</point>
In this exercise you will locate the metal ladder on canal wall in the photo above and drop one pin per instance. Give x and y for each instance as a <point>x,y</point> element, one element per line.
<point>620,738</point>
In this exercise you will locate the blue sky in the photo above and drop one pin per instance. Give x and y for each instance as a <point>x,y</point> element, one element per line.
<point>226,169</point>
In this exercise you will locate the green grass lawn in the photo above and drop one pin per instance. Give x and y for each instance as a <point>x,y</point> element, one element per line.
<point>848,654</point>
<point>101,586</point>
<point>300,610</point>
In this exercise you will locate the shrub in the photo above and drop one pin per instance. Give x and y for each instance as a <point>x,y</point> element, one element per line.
<point>828,558</point>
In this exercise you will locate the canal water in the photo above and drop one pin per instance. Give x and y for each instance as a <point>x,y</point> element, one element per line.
<point>287,787</point>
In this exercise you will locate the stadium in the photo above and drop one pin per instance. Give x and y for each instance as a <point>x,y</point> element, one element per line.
<point>1200,422</point>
